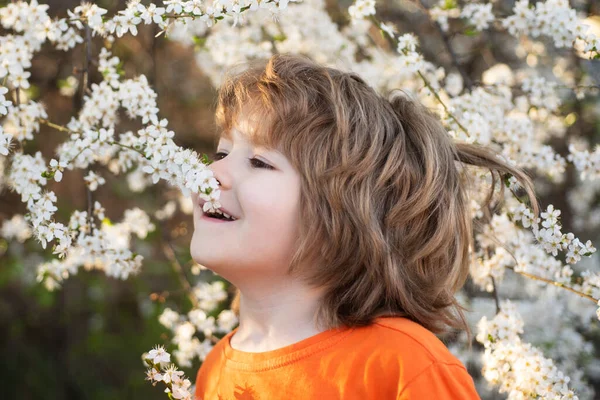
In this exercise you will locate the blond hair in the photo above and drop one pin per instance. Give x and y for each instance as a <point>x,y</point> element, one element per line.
<point>386,225</point>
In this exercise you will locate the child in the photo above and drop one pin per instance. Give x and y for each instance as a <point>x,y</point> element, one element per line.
<point>347,234</point>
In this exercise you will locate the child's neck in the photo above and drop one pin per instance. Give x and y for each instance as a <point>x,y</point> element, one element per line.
<point>275,317</point>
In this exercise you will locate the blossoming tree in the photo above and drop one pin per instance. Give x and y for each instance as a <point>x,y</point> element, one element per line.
<point>515,107</point>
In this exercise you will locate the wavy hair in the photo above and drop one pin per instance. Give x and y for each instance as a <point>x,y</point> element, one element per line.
<point>386,225</point>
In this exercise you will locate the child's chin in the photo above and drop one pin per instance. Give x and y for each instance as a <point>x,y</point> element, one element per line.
<point>203,252</point>
<point>198,249</point>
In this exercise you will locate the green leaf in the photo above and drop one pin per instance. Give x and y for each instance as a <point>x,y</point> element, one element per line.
<point>449,5</point>
<point>33,92</point>
<point>205,160</point>
<point>470,31</point>
<point>120,69</point>
<point>199,41</point>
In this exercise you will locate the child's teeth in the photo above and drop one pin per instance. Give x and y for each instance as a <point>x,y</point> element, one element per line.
<point>227,215</point>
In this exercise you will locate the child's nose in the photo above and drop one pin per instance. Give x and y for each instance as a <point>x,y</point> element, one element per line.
<point>221,173</point>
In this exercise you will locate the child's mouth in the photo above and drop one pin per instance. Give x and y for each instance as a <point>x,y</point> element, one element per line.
<point>218,216</point>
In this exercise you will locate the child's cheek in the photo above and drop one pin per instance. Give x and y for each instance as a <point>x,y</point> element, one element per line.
<point>271,208</point>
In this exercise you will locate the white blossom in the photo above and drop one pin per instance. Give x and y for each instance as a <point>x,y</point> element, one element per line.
<point>158,355</point>
<point>227,321</point>
<point>168,318</point>
<point>16,228</point>
<point>94,180</point>
<point>210,294</point>
<point>5,140</point>
<point>479,15</point>
<point>4,104</point>
<point>361,9</point>
<point>520,369</point>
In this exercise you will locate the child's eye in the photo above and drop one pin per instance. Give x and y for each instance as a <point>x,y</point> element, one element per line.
<point>219,156</point>
<point>255,162</point>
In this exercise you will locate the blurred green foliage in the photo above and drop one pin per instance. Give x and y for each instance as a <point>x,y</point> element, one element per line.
<point>84,341</point>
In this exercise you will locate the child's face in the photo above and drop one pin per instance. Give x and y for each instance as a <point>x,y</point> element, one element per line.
<point>265,202</point>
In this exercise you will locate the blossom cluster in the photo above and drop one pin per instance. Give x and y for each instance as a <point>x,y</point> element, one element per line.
<point>5,137</point>
<point>479,15</point>
<point>445,10</point>
<point>529,252</point>
<point>586,162</point>
<point>361,9</point>
<point>554,19</point>
<point>127,20</point>
<point>518,368</point>
<point>160,370</point>
<point>198,321</point>
<point>82,242</point>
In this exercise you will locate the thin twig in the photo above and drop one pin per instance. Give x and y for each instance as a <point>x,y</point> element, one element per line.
<point>446,40</point>
<point>439,99</point>
<point>84,86</point>
<point>90,203</point>
<point>128,147</point>
<point>488,253</point>
<point>495,292</point>
<point>55,126</point>
<point>67,130</point>
<point>168,251</point>
<point>88,59</point>
<point>377,23</point>
<point>554,283</point>
<point>536,277</point>
<point>185,283</point>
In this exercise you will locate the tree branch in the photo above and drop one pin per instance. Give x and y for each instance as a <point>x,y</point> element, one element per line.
<point>55,126</point>
<point>187,287</point>
<point>466,79</point>
<point>377,23</point>
<point>539,278</point>
<point>495,292</point>
<point>84,86</point>
<point>554,283</point>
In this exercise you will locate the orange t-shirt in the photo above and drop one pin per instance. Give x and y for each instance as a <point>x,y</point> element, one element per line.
<point>393,358</point>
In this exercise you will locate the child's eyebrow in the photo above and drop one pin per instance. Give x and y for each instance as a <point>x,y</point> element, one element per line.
<point>261,148</point>
<point>229,136</point>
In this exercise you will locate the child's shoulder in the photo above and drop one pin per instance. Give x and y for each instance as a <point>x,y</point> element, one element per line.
<point>405,339</point>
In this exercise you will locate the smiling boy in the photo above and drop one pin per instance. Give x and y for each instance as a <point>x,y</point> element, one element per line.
<point>348,237</point>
